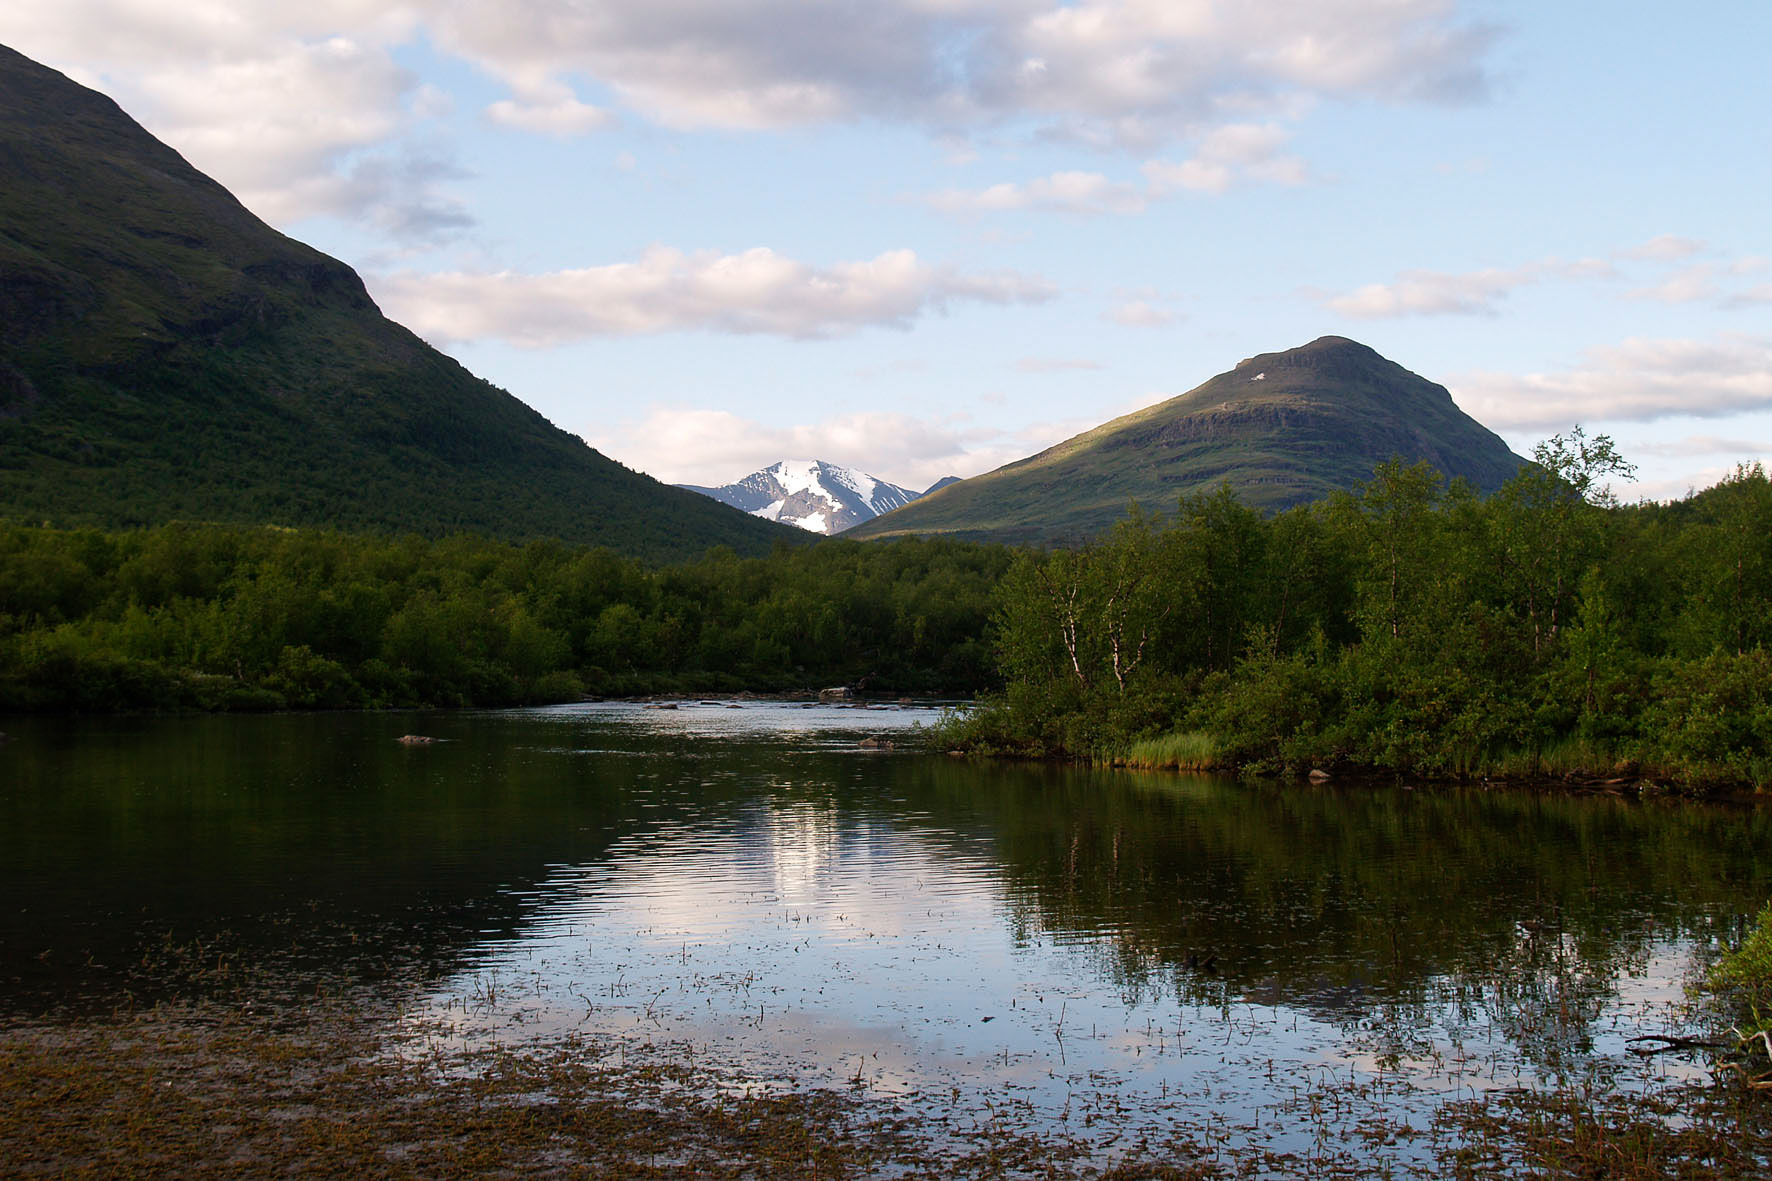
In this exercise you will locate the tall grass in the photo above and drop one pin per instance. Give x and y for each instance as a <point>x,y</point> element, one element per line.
<point>1188,750</point>
<point>1549,760</point>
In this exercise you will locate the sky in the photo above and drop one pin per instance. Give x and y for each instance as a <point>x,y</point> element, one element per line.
<point>929,237</point>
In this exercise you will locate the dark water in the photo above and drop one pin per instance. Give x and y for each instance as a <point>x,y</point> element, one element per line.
<point>750,886</point>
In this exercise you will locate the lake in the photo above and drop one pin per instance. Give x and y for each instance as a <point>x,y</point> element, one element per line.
<point>746,886</point>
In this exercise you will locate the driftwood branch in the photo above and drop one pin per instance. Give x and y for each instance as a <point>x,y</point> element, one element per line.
<point>1672,1043</point>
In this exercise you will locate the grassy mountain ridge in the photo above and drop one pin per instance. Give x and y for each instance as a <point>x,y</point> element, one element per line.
<point>1281,428</point>
<point>166,355</point>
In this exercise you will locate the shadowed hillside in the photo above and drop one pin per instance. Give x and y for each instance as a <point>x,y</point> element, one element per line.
<point>165,355</point>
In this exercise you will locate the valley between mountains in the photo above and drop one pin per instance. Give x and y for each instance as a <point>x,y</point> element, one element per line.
<point>1287,778</point>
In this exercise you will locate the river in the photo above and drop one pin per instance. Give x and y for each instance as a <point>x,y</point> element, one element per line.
<point>749,886</point>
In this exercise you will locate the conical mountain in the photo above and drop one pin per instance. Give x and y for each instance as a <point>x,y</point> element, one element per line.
<point>166,355</point>
<point>1281,429</point>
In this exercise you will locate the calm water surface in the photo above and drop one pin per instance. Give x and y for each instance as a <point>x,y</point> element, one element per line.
<point>746,886</point>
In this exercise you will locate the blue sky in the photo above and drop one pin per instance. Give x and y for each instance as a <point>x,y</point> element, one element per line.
<point>926,237</point>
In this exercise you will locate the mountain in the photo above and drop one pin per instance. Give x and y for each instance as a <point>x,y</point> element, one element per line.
<point>1281,429</point>
<point>166,355</point>
<point>940,484</point>
<point>815,495</point>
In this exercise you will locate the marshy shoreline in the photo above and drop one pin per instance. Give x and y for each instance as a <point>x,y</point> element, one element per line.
<point>336,1085</point>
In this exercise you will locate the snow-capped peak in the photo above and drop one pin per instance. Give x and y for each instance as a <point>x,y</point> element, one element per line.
<point>813,494</point>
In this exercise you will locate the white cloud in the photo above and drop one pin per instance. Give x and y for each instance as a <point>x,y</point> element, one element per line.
<point>1706,282</point>
<point>668,290</point>
<point>1140,313</point>
<point>298,109</point>
<point>1695,445</point>
<point>1582,268</point>
<point>274,97</point>
<point>742,64</point>
<point>1481,292</point>
<point>1426,293</point>
<point>1066,192</point>
<point>1471,293</point>
<point>683,445</point>
<point>1224,156</point>
<point>1196,175</point>
<point>1693,284</point>
<point>1665,248</point>
<point>550,109</point>
<point>714,447</point>
<point>1678,487</point>
<point>301,109</point>
<point>1637,381</point>
<point>285,159</point>
<point>431,101</point>
<point>1237,151</point>
<point>1134,70</point>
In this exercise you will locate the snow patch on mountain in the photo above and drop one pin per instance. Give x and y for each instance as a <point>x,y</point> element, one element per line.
<point>817,496</point>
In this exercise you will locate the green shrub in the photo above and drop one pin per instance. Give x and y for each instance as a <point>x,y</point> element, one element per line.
<point>556,687</point>
<point>1742,978</point>
<point>1710,720</point>
<point>307,679</point>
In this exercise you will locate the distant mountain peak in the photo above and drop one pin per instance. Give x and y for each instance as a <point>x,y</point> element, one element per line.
<point>1280,428</point>
<point>816,495</point>
<point>1327,357</point>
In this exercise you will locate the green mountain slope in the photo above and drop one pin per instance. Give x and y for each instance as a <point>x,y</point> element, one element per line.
<point>1281,428</point>
<point>166,355</point>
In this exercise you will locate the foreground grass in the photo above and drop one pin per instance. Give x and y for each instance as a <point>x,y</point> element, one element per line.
<point>1696,1133</point>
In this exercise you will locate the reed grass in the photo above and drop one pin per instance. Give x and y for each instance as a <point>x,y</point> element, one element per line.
<point>1558,759</point>
<point>1183,750</point>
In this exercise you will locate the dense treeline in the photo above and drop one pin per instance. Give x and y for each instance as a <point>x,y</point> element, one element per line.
<point>1407,626</point>
<point>226,617</point>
